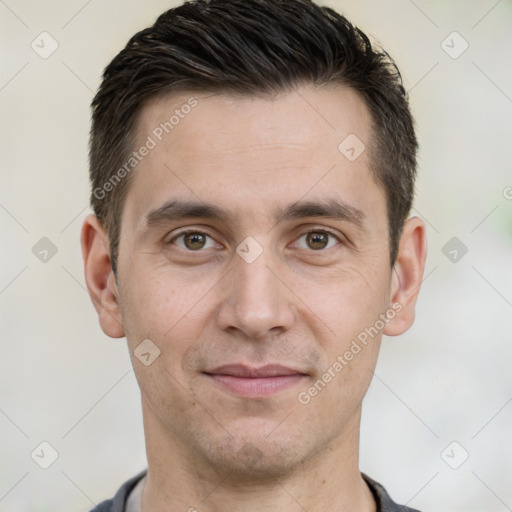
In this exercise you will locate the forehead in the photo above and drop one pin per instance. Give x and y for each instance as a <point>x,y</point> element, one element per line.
<point>303,116</point>
<point>251,151</point>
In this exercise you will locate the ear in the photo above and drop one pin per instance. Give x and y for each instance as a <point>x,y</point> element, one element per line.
<point>100,277</point>
<point>407,276</point>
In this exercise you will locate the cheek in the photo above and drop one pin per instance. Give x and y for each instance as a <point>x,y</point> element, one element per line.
<point>165,307</point>
<point>350,306</point>
<point>347,300</point>
<point>169,311</point>
<point>352,311</point>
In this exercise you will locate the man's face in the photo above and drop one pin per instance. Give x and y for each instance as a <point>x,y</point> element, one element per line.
<point>285,297</point>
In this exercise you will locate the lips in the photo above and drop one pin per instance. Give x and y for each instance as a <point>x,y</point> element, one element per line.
<point>239,370</point>
<point>250,382</point>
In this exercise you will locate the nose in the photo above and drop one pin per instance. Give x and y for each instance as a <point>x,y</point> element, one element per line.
<point>257,302</point>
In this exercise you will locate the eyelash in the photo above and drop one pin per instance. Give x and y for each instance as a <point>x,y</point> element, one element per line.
<point>195,231</point>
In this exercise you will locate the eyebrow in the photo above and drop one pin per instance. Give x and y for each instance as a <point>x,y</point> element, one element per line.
<point>175,209</point>
<point>179,210</point>
<point>334,209</point>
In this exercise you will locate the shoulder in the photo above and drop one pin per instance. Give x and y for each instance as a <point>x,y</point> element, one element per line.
<point>382,498</point>
<point>118,502</point>
<point>104,506</point>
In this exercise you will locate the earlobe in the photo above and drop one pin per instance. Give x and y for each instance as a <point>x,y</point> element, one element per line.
<point>100,278</point>
<point>407,275</point>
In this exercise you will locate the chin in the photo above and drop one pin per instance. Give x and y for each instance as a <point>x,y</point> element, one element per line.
<point>252,456</point>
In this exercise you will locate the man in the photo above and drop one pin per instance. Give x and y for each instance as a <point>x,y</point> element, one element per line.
<point>252,166</point>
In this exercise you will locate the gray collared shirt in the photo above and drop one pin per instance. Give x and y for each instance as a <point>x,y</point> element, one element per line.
<point>128,497</point>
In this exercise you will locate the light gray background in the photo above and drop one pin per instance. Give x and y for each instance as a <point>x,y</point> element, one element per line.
<point>448,379</point>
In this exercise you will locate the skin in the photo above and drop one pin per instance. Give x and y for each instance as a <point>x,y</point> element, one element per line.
<point>294,305</point>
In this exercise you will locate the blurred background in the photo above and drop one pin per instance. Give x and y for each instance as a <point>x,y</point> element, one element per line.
<point>437,420</point>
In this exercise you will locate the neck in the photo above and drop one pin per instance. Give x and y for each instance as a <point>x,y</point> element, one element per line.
<point>178,480</point>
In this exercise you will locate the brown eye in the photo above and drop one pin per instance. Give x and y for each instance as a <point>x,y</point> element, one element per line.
<point>317,240</point>
<point>193,241</point>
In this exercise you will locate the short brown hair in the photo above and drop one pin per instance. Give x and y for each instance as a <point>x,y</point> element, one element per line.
<point>250,47</point>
